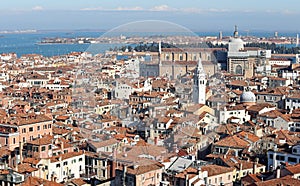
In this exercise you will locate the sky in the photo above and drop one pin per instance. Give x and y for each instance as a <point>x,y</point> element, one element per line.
<point>197,15</point>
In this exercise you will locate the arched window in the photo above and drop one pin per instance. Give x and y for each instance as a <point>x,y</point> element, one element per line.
<point>238,69</point>
<point>167,57</point>
<point>180,57</point>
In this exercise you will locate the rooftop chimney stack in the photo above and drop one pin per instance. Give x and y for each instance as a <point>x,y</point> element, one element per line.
<point>278,172</point>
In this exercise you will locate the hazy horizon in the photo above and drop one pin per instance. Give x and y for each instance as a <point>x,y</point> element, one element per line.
<point>195,15</point>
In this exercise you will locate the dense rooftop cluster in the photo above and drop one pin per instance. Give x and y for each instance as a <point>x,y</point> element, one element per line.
<point>126,118</point>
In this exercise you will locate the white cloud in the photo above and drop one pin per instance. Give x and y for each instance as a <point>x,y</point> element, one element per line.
<point>217,10</point>
<point>136,8</point>
<point>191,10</point>
<point>162,8</point>
<point>129,8</point>
<point>287,12</point>
<point>37,8</point>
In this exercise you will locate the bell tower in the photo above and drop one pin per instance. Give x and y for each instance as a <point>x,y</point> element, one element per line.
<point>199,87</point>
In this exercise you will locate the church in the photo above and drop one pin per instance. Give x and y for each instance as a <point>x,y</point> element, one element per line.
<point>177,62</point>
<point>246,61</point>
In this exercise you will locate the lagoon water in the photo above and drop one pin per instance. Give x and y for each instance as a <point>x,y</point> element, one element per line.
<point>28,43</point>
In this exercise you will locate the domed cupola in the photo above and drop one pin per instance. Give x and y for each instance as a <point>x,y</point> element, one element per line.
<point>235,43</point>
<point>248,97</point>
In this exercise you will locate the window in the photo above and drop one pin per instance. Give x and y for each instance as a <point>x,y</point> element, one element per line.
<point>35,149</point>
<point>270,156</point>
<point>14,140</point>
<point>31,129</point>
<point>294,150</point>
<point>24,130</point>
<point>38,128</point>
<point>45,127</point>
<point>238,69</point>
<point>65,163</point>
<point>294,160</point>
<point>50,147</point>
<point>43,148</point>
<point>49,126</point>
<point>278,157</point>
<point>228,177</point>
<point>57,165</point>
<point>80,159</point>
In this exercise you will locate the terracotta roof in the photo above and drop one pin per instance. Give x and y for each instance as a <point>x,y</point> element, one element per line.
<point>232,141</point>
<point>216,169</point>
<point>258,107</point>
<point>248,136</point>
<point>250,178</point>
<point>294,169</point>
<point>194,108</point>
<point>45,140</point>
<point>232,161</point>
<point>144,166</point>
<point>271,114</point>
<point>4,152</point>
<point>287,180</point>
<point>33,161</point>
<point>191,172</point>
<point>24,168</point>
<point>99,144</point>
<point>65,156</point>
<point>34,181</point>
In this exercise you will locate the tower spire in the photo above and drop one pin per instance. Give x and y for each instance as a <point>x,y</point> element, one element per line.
<point>199,66</point>
<point>235,33</point>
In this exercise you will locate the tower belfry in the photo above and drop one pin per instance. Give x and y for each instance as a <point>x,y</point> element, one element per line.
<point>199,87</point>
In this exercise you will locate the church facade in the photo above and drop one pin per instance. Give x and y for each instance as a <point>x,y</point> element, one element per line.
<point>175,62</point>
<point>246,60</point>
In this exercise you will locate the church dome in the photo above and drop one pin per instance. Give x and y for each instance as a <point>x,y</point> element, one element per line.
<point>236,40</point>
<point>247,97</point>
<point>235,45</point>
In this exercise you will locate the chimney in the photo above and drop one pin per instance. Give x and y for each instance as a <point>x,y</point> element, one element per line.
<point>278,172</point>
<point>199,171</point>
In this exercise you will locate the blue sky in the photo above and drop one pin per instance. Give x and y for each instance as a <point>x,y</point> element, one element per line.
<point>197,15</point>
